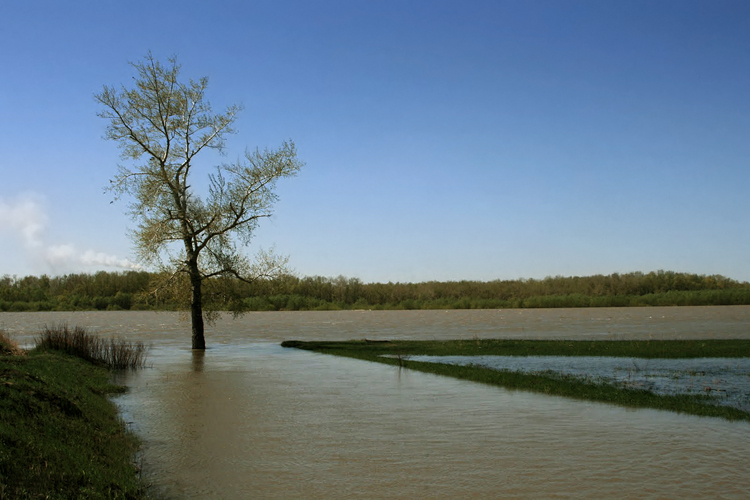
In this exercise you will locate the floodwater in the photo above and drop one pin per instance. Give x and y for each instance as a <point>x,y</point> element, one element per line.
<point>725,380</point>
<point>249,419</point>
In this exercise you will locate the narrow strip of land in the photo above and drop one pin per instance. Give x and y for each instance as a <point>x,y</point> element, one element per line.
<point>667,349</point>
<point>399,352</point>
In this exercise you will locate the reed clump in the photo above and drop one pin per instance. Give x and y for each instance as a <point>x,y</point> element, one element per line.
<point>77,341</point>
<point>8,346</point>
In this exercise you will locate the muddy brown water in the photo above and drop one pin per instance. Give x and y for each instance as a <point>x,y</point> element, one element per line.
<point>249,419</point>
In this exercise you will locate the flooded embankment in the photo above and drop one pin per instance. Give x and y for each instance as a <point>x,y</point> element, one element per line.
<point>249,419</point>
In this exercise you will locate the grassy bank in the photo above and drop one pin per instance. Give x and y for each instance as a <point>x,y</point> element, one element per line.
<point>670,349</point>
<point>60,435</point>
<point>548,383</point>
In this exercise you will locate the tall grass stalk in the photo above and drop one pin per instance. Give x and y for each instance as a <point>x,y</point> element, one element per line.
<point>113,353</point>
<point>9,346</point>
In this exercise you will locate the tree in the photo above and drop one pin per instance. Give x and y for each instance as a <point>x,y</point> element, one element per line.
<point>161,125</point>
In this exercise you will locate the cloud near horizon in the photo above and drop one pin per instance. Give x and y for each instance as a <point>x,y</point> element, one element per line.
<point>24,219</point>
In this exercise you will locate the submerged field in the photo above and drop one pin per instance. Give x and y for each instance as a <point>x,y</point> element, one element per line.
<point>439,357</point>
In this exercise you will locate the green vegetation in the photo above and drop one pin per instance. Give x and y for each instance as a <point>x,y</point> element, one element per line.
<point>129,290</point>
<point>76,292</point>
<point>60,436</point>
<point>550,383</point>
<point>666,349</point>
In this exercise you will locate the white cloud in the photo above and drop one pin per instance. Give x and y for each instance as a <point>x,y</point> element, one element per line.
<point>60,254</point>
<point>24,219</point>
<point>67,256</point>
<point>92,258</point>
<point>24,216</point>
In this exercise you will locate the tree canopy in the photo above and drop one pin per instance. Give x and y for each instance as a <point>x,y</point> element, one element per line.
<point>162,124</point>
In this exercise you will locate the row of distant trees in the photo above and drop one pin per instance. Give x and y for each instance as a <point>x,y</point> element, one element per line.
<point>140,290</point>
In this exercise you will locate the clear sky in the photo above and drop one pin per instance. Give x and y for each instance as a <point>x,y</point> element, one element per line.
<point>443,140</point>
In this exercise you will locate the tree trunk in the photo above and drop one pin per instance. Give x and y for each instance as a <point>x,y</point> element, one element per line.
<point>196,308</point>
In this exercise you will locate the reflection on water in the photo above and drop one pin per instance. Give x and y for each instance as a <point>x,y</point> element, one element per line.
<point>249,419</point>
<point>198,356</point>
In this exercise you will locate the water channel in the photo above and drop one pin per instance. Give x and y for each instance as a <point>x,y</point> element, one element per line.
<point>249,419</point>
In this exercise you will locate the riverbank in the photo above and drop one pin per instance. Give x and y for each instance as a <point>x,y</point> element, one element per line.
<point>60,435</point>
<point>400,352</point>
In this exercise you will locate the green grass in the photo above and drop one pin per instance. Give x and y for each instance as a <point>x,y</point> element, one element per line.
<point>617,348</point>
<point>549,383</point>
<point>60,435</point>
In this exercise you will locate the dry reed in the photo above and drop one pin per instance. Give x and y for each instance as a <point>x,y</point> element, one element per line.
<point>9,346</point>
<point>112,352</point>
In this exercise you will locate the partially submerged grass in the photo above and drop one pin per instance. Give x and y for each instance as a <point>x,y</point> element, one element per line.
<point>112,352</point>
<point>667,349</point>
<point>547,383</point>
<point>60,435</point>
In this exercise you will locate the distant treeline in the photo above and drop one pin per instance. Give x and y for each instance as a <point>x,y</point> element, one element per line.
<point>132,291</point>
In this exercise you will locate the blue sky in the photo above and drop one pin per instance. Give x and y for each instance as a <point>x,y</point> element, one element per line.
<point>443,140</point>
